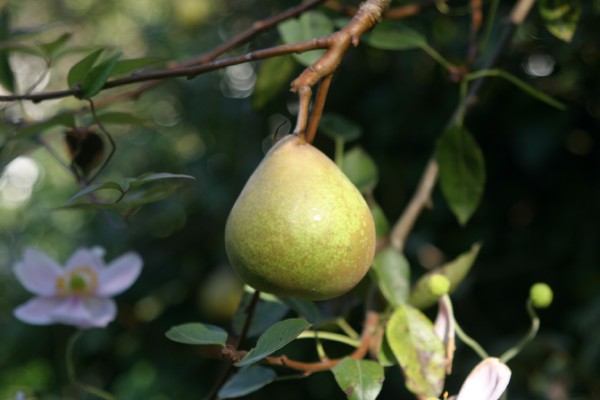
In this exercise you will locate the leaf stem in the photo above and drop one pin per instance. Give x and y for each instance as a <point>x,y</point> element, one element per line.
<point>469,341</point>
<point>535,326</point>
<point>433,53</point>
<point>335,337</point>
<point>346,328</point>
<point>73,376</point>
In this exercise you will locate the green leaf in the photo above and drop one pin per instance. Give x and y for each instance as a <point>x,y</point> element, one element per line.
<point>382,226</point>
<point>268,311</point>
<point>561,17</point>
<point>94,187</point>
<point>93,81</point>
<point>65,119</point>
<point>146,196</point>
<point>392,274</point>
<point>7,77</point>
<point>418,350</point>
<point>462,172</point>
<point>391,35</point>
<point>360,169</point>
<point>246,381</point>
<point>385,355</point>
<point>359,379</point>
<point>196,333</point>
<point>310,25</point>
<point>455,270</point>
<point>128,66</point>
<point>274,338</point>
<point>274,75</point>
<point>79,71</point>
<point>338,127</point>
<point>116,117</point>
<point>53,47</point>
<point>304,308</point>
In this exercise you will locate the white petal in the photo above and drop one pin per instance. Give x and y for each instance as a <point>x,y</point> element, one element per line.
<point>38,311</point>
<point>487,381</point>
<point>85,312</point>
<point>85,258</point>
<point>102,311</point>
<point>38,272</point>
<point>119,275</point>
<point>445,329</point>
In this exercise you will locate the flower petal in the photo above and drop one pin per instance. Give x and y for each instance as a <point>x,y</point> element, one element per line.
<point>38,311</point>
<point>119,275</point>
<point>445,329</point>
<point>38,273</point>
<point>85,312</point>
<point>84,257</point>
<point>487,381</point>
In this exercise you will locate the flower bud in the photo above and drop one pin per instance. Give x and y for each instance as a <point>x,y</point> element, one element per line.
<point>541,295</point>
<point>438,285</point>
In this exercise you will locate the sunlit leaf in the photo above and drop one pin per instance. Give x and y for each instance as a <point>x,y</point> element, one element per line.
<point>462,172</point>
<point>274,338</point>
<point>7,77</point>
<point>392,274</point>
<point>337,126</point>
<point>359,379</point>
<point>274,76</point>
<point>561,17</point>
<point>78,71</point>
<point>418,350</point>
<point>311,24</point>
<point>197,333</point>
<point>455,270</point>
<point>95,79</point>
<point>360,169</point>
<point>392,35</point>
<point>246,381</point>
<point>268,311</point>
<point>124,67</point>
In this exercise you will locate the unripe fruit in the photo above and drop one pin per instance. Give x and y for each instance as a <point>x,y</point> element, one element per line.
<point>541,295</point>
<point>300,227</point>
<point>438,285</point>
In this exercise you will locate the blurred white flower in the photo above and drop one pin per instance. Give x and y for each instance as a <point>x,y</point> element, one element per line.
<point>445,329</point>
<point>487,381</point>
<point>78,294</point>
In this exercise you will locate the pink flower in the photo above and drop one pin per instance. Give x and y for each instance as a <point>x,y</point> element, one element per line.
<point>487,381</point>
<point>78,294</point>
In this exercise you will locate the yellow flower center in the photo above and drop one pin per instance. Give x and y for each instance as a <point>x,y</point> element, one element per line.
<point>79,281</point>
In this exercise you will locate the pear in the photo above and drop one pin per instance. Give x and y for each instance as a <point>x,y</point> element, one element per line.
<point>300,227</point>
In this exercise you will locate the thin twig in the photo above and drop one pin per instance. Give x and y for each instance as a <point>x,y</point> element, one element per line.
<point>420,200</point>
<point>113,146</point>
<point>303,108</point>
<point>318,106</point>
<point>400,12</point>
<point>476,22</point>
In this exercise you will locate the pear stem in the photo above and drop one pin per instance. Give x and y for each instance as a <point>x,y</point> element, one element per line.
<point>304,94</point>
<point>318,106</point>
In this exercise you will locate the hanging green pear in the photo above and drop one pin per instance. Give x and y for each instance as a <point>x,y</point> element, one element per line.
<point>300,227</point>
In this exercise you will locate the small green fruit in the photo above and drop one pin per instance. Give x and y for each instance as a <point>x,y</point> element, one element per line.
<point>438,285</point>
<point>300,227</point>
<point>541,295</point>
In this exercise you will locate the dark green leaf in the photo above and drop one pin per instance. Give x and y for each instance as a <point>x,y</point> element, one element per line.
<point>79,71</point>
<point>268,311</point>
<point>51,48</point>
<point>385,355</point>
<point>359,379</point>
<point>311,24</point>
<point>152,177</point>
<point>246,381</point>
<point>304,308</point>
<point>7,77</point>
<point>90,206</point>
<point>382,226</point>
<point>128,66</point>
<point>93,81</point>
<point>94,187</point>
<point>360,169</point>
<point>66,119</point>
<point>274,338</point>
<point>392,274</point>
<point>462,172</point>
<point>145,196</point>
<point>418,350</point>
<point>336,126</point>
<point>561,17</point>
<point>455,270</point>
<point>274,75</point>
<point>196,333</point>
<point>391,35</point>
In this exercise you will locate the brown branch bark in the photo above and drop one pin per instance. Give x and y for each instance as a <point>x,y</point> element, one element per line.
<point>318,107</point>
<point>400,12</point>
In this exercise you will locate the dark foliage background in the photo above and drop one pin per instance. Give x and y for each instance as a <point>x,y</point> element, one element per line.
<point>539,219</point>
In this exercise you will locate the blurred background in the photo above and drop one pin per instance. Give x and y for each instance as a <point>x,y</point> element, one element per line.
<point>539,219</point>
